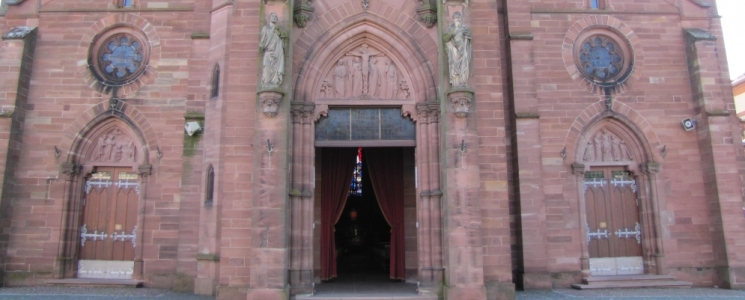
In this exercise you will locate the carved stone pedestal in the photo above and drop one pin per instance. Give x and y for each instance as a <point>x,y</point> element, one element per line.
<point>270,100</point>
<point>460,99</point>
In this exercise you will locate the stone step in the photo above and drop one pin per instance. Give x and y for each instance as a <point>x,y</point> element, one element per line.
<point>96,282</point>
<point>644,277</point>
<point>361,296</point>
<point>633,284</point>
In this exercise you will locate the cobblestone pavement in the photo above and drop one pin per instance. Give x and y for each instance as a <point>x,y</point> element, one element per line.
<point>636,294</point>
<point>90,293</point>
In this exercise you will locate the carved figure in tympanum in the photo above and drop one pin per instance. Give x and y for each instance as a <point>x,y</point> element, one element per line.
<point>391,78</point>
<point>115,147</point>
<point>606,147</point>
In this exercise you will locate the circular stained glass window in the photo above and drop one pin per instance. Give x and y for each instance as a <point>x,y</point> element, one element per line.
<point>603,58</point>
<point>119,57</point>
<point>600,59</point>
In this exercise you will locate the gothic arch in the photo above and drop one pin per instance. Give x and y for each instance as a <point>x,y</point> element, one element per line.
<point>633,124</point>
<point>110,135</point>
<point>353,32</point>
<point>623,144</point>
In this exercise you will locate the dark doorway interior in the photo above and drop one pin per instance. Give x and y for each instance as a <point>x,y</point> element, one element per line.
<point>363,235</point>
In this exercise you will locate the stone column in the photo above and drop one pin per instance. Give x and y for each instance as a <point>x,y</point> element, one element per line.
<point>719,146</point>
<point>301,234</point>
<point>579,173</point>
<point>650,216</point>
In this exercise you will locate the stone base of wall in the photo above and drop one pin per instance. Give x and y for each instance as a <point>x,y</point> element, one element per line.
<point>548,280</point>
<point>267,294</point>
<point>470,293</point>
<point>177,282</point>
<point>500,290</point>
<point>701,277</point>
<point>232,292</point>
<point>26,278</point>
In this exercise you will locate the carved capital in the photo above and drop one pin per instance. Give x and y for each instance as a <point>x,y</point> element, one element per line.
<point>422,111</point>
<point>650,168</point>
<point>578,169</point>
<point>460,101</point>
<point>296,109</point>
<point>303,13</point>
<point>434,112</point>
<point>308,113</point>
<point>145,169</point>
<point>270,101</point>
<point>427,14</point>
<point>70,169</point>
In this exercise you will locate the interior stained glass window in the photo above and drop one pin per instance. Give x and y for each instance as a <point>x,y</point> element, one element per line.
<point>355,188</point>
<point>365,124</point>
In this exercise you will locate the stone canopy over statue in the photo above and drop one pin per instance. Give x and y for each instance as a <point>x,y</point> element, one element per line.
<point>272,46</point>
<point>364,73</point>
<point>457,40</point>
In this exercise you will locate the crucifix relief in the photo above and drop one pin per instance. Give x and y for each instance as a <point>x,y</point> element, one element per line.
<point>364,73</point>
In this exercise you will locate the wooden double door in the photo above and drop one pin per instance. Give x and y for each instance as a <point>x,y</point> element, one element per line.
<point>108,236</point>
<point>613,228</point>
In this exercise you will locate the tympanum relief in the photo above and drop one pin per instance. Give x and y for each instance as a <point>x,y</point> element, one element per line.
<point>606,147</point>
<point>114,146</point>
<point>364,73</point>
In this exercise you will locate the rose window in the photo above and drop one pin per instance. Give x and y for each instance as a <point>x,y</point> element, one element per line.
<point>119,57</point>
<point>600,59</point>
<point>122,57</point>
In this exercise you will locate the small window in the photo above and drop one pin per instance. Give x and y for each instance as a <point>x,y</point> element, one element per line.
<point>210,190</point>
<point>596,4</point>
<point>215,82</point>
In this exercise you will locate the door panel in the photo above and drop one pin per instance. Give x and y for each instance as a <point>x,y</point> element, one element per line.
<point>613,229</point>
<point>109,228</point>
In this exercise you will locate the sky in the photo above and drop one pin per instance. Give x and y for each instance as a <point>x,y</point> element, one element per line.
<point>733,24</point>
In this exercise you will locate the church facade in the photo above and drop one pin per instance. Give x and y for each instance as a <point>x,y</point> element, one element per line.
<point>209,146</point>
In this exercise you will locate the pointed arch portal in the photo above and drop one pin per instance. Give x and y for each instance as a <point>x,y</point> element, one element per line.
<point>366,69</point>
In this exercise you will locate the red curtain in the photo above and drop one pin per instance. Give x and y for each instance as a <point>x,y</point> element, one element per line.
<point>386,173</point>
<point>336,175</point>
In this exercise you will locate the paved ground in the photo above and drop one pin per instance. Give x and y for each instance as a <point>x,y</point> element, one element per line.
<point>77,293</point>
<point>91,293</point>
<point>635,294</point>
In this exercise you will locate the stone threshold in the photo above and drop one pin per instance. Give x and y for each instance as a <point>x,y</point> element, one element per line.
<point>88,282</point>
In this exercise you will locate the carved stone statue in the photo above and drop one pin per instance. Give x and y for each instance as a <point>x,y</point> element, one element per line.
<point>607,146</point>
<point>357,78</point>
<point>340,76</point>
<point>271,44</point>
<point>458,44</point>
<point>589,152</point>
<point>364,53</point>
<point>115,147</point>
<point>391,79</point>
<point>374,77</point>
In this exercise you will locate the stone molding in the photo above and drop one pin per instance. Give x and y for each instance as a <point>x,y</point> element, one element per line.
<point>208,257</point>
<point>460,101</point>
<point>718,113</point>
<point>521,36</point>
<point>270,101</point>
<point>696,35</point>
<point>527,115</point>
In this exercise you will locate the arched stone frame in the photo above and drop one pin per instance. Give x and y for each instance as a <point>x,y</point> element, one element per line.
<point>78,142</point>
<point>640,139</point>
<point>423,107</point>
<point>612,26</point>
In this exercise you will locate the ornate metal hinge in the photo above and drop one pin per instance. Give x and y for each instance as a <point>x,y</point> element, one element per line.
<point>622,182</point>
<point>597,234</point>
<point>594,182</point>
<point>95,235</point>
<point>98,184</point>
<point>627,234</point>
<point>123,237</point>
<point>128,184</point>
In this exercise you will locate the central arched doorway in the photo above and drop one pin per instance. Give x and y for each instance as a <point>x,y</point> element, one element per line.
<point>367,71</point>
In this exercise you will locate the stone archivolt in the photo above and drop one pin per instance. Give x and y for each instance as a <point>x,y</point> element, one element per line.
<point>364,73</point>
